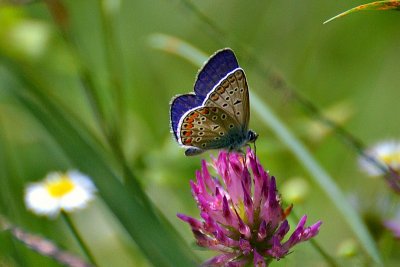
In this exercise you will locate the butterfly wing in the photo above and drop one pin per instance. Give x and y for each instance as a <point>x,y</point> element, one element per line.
<point>207,128</point>
<point>217,115</point>
<point>216,68</point>
<point>232,95</point>
<point>179,106</point>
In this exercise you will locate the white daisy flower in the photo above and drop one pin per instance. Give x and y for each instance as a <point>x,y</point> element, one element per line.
<point>59,191</point>
<point>387,153</point>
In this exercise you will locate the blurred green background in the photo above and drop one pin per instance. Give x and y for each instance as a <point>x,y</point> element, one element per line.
<point>348,68</point>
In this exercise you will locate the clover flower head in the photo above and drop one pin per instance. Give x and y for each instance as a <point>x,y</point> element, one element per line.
<point>241,213</point>
<point>59,191</point>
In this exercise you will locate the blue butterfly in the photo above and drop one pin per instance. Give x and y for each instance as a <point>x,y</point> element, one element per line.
<point>216,115</point>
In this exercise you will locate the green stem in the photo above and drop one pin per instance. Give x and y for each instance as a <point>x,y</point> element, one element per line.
<point>85,77</point>
<point>114,60</point>
<point>78,238</point>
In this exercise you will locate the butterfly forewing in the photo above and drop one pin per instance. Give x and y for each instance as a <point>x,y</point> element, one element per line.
<point>206,128</point>
<point>215,69</point>
<point>232,95</point>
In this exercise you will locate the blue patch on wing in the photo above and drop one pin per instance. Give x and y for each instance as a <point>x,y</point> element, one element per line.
<point>179,106</point>
<point>214,70</point>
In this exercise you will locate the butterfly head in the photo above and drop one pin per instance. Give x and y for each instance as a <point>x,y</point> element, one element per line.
<point>251,136</point>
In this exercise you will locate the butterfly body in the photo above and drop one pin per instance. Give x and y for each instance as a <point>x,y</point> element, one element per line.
<point>216,116</point>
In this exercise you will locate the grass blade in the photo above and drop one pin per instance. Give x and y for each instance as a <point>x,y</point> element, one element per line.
<point>378,5</point>
<point>157,240</point>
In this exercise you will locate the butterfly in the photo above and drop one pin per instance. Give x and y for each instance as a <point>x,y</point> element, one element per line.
<point>216,115</point>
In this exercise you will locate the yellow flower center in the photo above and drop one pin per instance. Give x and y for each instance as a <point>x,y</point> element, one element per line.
<point>60,187</point>
<point>393,158</point>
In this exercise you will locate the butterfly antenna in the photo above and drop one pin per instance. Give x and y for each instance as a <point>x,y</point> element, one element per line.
<point>255,149</point>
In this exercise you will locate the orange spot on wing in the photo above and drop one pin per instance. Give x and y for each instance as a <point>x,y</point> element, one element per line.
<point>189,119</point>
<point>187,133</point>
<point>187,141</point>
<point>205,111</point>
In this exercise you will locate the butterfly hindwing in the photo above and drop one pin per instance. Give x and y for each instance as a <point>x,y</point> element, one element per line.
<point>179,106</point>
<point>206,128</point>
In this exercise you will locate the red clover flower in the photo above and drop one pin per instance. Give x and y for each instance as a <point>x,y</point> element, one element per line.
<point>241,213</point>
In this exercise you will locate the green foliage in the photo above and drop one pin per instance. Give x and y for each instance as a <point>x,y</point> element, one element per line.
<point>81,86</point>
